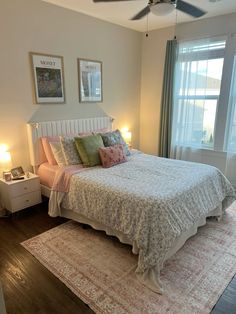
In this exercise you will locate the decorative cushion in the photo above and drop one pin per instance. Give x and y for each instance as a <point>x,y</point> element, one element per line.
<point>114,138</point>
<point>69,150</point>
<point>58,153</point>
<point>113,155</point>
<point>88,147</point>
<point>47,148</point>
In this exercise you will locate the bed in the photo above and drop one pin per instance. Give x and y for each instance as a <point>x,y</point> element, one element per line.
<point>154,204</point>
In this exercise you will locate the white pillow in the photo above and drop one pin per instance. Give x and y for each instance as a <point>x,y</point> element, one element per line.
<point>58,153</point>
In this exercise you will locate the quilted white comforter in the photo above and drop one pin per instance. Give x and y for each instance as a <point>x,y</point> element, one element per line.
<point>149,199</point>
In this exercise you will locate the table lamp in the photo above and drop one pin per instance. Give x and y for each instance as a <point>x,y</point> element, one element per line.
<point>5,162</point>
<point>127,136</point>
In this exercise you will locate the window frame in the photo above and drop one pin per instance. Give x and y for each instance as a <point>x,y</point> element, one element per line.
<point>223,103</point>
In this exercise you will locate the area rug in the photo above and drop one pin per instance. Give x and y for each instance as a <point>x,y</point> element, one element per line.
<point>101,271</point>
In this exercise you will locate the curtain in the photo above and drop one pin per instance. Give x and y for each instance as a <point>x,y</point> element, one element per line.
<point>230,137</point>
<point>167,99</point>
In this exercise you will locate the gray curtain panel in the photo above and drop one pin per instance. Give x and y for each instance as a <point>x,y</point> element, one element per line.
<point>167,99</point>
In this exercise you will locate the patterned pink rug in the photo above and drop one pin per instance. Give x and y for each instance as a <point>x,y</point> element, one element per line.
<point>100,270</point>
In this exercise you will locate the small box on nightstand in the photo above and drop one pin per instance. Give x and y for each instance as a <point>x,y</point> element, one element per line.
<point>17,195</point>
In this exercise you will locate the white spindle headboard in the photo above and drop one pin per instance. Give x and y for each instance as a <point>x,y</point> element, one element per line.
<point>36,130</point>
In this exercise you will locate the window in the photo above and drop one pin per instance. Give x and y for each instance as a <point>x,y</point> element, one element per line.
<point>197,89</point>
<point>230,137</point>
<point>204,108</point>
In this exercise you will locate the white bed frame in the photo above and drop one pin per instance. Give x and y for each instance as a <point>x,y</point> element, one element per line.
<point>36,130</point>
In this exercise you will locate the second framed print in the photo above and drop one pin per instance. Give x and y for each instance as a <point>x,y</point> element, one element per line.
<point>90,80</point>
<point>48,76</point>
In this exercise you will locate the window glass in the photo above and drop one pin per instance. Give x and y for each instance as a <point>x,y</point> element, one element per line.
<point>197,85</point>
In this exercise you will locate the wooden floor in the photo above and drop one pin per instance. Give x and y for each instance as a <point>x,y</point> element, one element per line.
<point>29,288</point>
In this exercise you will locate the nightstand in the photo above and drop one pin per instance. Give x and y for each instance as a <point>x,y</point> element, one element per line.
<point>20,194</point>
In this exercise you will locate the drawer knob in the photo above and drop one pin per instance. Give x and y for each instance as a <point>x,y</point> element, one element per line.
<point>27,201</point>
<point>25,188</point>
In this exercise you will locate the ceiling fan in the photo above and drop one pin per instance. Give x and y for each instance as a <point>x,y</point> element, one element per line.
<point>154,6</point>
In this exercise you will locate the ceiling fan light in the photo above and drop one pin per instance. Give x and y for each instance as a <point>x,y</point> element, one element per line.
<point>162,8</point>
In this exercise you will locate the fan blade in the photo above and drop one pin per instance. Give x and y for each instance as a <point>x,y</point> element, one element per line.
<point>189,9</point>
<point>141,14</point>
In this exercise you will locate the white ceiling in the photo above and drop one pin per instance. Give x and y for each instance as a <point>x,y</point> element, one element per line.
<point>121,12</point>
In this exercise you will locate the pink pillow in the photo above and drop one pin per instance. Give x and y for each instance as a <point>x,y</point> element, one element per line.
<point>47,148</point>
<point>112,155</point>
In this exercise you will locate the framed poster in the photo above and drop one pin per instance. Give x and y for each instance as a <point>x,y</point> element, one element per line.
<point>90,80</point>
<point>48,77</point>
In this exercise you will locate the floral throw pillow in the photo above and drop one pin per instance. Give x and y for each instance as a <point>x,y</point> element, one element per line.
<point>114,138</point>
<point>113,155</point>
<point>69,150</point>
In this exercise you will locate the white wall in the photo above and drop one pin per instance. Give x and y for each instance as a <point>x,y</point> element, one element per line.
<point>33,25</point>
<point>153,57</point>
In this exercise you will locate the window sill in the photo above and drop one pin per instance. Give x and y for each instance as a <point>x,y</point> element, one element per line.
<point>204,151</point>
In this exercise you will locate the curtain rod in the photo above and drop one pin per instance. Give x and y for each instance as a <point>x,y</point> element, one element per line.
<point>229,35</point>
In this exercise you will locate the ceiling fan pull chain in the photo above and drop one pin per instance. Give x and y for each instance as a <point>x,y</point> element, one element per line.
<point>147,27</point>
<point>176,21</point>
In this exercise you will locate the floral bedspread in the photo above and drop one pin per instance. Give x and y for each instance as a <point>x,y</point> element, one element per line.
<point>149,199</point>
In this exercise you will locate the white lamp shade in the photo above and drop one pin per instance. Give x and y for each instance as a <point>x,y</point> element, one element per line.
<point>127,135</point>
<point>5,161</point>
<point>162,8</point>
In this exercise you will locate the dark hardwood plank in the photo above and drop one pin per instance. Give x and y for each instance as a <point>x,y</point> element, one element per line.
<point>30,288</point>
<point>227,302</point>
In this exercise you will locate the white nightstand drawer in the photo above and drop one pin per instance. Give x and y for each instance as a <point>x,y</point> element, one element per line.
<point>16,195</point>
<point>23,187</point>
<point>25,200</point>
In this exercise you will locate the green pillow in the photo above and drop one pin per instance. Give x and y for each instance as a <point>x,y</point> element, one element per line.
<point>88,147</point>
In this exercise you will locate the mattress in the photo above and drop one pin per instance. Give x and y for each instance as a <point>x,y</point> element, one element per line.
<point>47,174</point>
